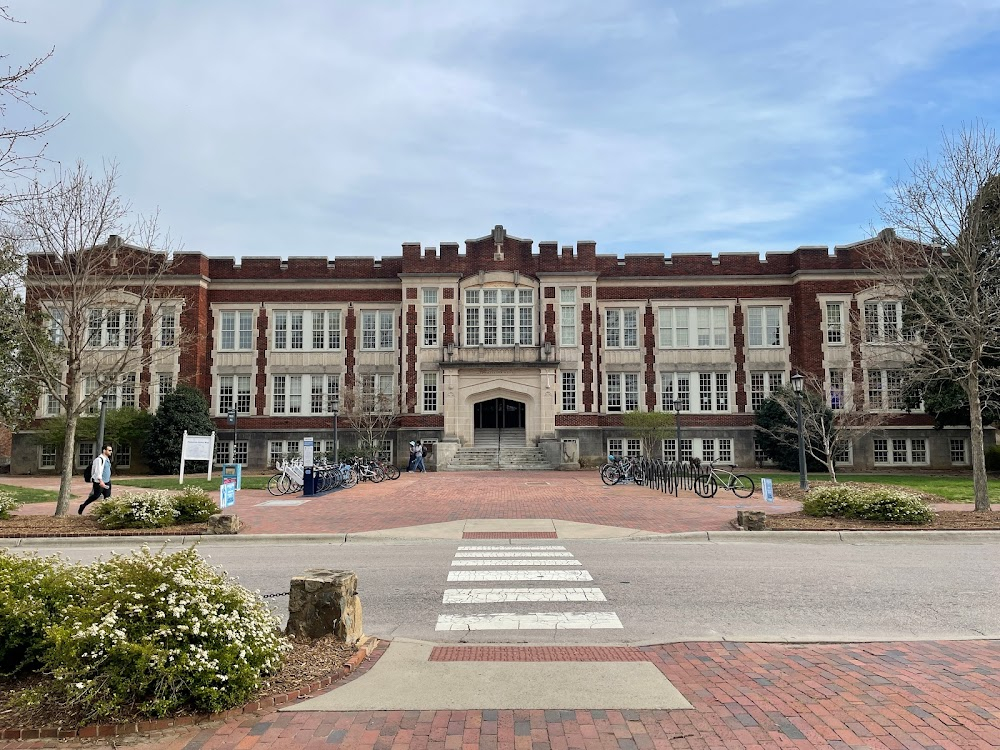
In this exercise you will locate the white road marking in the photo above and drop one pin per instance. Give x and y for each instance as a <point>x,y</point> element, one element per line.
<point>505,546</point>
<point>520,553</point>
<point>487,563</point>
<point>456,576</point>
<point>487,596</point>
<point>530,621</point>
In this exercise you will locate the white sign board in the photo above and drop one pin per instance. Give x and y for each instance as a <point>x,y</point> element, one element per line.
<point>307,451</point>
<point>227,493</point>
<point>767,487</point>
<point>197,448</point>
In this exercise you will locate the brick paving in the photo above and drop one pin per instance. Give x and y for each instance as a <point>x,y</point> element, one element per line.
<point>417,499</point>
<point>884,695</point>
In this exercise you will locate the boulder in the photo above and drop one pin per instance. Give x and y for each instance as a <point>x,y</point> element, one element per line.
<point>321,602</point>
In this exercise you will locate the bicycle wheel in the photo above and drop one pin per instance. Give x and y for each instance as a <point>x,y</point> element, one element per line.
<point>611,475</point>
<point>391,471</point>
<point>350,478</point>
<point>284,484</point>
<point>272,485</point>
<point>742,485</point>
<point>705,485</point>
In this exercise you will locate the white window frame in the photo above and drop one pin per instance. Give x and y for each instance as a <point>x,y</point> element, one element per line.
<point>238,396</point>
<point>838,388</point>
<point>568,382</point>
<point>833,315</point>
<point>892,448</point>
<point>499,316</point>
<point>378,330</point>
<point>619,392</point>
<point>618,333</point>
<point>430,320</point>
<point>168,327</point>
<point>47,455</point>
<point>568,318</point>
<point>768,330</point>
<point>688,327</point>
<point>238,327</point>
<point>771,381</point>
<point>430,393</point>
<point>963,457</point>
<point>686,388</point>
<point>880,396</point>
<point>883,322</point>
<point>624,447</point>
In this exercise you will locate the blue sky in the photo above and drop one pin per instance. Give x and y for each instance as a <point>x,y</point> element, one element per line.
<point>348,128</point>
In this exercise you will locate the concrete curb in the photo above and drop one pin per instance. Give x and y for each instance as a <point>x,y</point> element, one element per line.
<point>689,537</point>
<point>365,649</point>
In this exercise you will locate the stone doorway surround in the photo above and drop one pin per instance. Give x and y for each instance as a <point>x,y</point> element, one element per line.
<point>464,387</point>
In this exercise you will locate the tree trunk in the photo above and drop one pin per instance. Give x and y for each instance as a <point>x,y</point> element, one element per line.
<point>979,486</point>
<point>66,476</point>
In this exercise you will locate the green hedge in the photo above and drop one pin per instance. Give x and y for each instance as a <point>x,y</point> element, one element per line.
<point>870,504</point>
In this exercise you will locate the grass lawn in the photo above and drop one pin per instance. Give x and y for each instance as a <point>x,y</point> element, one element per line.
<point>953,488</point>
<point>247,482</point>
<point>28,495</point>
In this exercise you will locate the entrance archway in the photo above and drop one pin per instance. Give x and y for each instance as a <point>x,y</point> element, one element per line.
<point>499,414</point>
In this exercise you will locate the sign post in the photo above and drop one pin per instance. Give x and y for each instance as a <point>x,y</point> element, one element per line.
<point>197,448</point>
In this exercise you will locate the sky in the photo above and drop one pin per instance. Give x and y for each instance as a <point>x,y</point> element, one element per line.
<point>347,128</point>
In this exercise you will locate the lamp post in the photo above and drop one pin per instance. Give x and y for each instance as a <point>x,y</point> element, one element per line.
<point>798,383</point>
<point>335,409</point>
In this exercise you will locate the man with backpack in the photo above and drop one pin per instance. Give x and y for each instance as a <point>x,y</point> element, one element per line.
<point>100,477</point>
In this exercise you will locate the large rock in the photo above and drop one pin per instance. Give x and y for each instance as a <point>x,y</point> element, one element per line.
<point>751,520</point>
<point>223,524</point>
<point>322,602</point>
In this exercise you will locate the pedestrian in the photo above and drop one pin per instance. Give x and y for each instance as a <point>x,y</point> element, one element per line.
<point>418,464</point>
<point>413,457</point>
<point>100,477</point>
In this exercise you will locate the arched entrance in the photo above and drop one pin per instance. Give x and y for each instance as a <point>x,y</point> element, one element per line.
<point>498,422</point>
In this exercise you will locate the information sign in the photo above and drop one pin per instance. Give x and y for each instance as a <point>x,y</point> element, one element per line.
<point>227,493</point>
<point>767,487</point>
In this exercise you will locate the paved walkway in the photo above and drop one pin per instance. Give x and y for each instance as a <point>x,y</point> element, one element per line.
<point>886,695</point>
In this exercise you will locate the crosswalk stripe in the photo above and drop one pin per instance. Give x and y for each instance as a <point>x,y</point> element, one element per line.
<point>530,621</point>
<point>489,596</point>
<point>494,563</point>
<point>456,576</point>
<point>513,554</point>
<point>487,547</point>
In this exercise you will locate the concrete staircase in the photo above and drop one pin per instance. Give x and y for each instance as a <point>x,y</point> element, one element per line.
<point>498,449</point>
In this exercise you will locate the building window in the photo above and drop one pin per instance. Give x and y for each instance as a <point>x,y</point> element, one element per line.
<point>164,386</point>
<point>114,328</point>
<point>725,450</point>
<point>836,389</point>
<point>834,323</point>
<point>318,329</point>
<point>624,447</point>
<point>128,390</point>
<point>234,390</point>
<point>56,331</point>
<point>294,329</point>
<point>685,449</point>
<point>123,456</point>
<point>567,317</point>
<point>908,451</point>
<point>569,391</point>
<point>332,393</point>
<point>758,453</point>
<point>764,326</point>
<point>708,449</point>
<point>621,328</point>
<point>222,451</point>
<point>711,327</point>
<point>52,405</point>
<point>430,317</point>
<point>384,451</point>
<point>623,391</point>
<point>377,392</point>
<point>499,317</point>
<point>236,330</point>
<point>763,385</point>
<point>884,323</point>
<point>430,392</point>
<point>377,330</point>
<point>885,390</point>
<point>47,457</point>
<point>168,326</point>
<point>670,449</point>
<point>843,454</point>
<point>286,394</point>
<point>84,455</point>
<point>956,449</point>
<point>712,391</point>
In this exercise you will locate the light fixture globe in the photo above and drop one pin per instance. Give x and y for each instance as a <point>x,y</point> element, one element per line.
<point>798,383</point>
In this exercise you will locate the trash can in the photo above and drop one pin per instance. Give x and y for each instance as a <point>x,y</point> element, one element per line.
<point>233,471</point>
<point>308,481</point>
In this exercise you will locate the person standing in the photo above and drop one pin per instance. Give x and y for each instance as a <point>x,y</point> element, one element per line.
<point>100,477</point>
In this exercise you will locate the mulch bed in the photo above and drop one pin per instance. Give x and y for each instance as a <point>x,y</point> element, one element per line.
<point>86,525</point>
<point>947,520</point>
<point>307,662</point>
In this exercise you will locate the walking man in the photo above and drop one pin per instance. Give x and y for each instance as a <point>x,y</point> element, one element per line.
<point>100,477</point>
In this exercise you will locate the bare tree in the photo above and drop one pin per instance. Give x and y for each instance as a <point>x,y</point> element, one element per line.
<point>942,260</point>
<point>829,432</point>
<point>15,96</point>
<point>96,277</point>
<point>370,412</point>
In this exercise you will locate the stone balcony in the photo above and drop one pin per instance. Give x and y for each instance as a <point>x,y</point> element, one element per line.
<point>507,356</point>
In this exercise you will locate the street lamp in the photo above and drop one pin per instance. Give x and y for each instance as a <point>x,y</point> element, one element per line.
<point>798,383</point>
<point>335,410</point>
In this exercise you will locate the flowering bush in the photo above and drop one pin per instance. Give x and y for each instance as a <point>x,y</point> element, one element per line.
<point>870,504</point>
<point>34,592</point>
<point>137,510</point>
<point>158,633</point>
<point>194,505</point>
<point>8,503</point>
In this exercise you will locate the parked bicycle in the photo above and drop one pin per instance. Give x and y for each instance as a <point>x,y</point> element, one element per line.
<point>708,483</point>
<point>288,479</point>
<point>622,469</point>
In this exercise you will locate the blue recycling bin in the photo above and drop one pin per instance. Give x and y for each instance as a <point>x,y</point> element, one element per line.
<point>233,471</point>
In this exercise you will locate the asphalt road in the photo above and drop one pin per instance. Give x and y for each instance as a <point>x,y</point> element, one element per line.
<point>661,592</point>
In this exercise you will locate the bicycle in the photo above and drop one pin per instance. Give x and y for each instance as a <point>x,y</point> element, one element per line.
<point>706,485</point>
<point>288,479</point>
<point>622,469</point>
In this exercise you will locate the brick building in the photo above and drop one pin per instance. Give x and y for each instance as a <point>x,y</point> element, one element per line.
<point>545,347</point>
